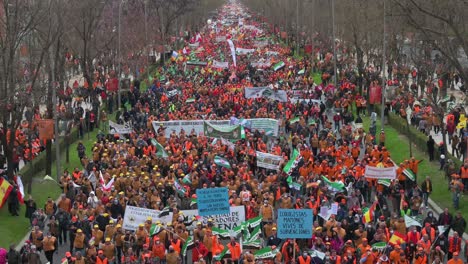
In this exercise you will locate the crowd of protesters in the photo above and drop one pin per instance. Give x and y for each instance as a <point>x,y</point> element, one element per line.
<point>88,217</point>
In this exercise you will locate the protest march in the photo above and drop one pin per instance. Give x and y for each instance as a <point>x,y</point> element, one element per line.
<point>234,154</point>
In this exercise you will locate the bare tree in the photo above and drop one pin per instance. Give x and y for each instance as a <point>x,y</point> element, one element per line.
<point>19,23</point>
<point>443,25</point>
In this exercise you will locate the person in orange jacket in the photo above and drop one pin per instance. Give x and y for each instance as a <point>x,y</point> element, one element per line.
<point>455,259</point>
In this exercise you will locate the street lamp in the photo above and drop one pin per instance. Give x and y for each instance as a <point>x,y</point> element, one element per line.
<point>334,45</point>
<point>119,70</point>
<point>384,82</point>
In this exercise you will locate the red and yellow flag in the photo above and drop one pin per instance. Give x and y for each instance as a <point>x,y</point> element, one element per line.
<point>369,215</point>
<point>397,238</point>
<point>5,189</point>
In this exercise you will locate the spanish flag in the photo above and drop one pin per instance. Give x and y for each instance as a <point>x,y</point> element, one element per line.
<point>369,215</point>
<point>5,189</point>
<point>397,238</point>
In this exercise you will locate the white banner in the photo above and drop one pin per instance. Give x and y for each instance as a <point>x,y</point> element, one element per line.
<point>220,64</point>
<point>261,64</point>
<point>115,128</point>
<point>266,92</point>
<point>268,161</point>
<point>270,126</point>
<point>260,43</point>
<point>272,53</point>
<point>135,216</point>
<point>380,173</point>
<point>242,51</point>
<point>233,52</point>
<point>220,38</point>
<point>226,221</point>
<point>299,100</point>
<point>194,45</point>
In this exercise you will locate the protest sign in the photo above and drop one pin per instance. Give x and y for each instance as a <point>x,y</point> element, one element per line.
<point>294,223</point>
<point>242,51</point>
<point>260,43</point>
<point>234,218</point>
<point>266,92</point>
<point>261,64</point>
<point>197,63</point>
<point>380,173</point>
<point>135,216</point>
<point>268,161</point>
<point>220,38</point>
<point>226,132</point>
<point>115,128</point>
<point>46,128</point>
<point>213,201</point>
<point>270,126</point>
<point>220,64</point>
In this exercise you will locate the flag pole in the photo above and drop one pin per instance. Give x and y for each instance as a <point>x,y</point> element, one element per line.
<point>294,250</point>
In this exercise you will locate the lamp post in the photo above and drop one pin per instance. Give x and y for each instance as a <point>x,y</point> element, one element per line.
<point>384,82</point>
<point>119,70</point>
<point>334,45</point>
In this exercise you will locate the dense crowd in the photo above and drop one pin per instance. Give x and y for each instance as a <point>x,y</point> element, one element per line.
<point>375,221</point>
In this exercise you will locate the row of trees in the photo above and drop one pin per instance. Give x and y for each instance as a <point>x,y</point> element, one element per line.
<point>416,30</point>
<point>40,41</point>
<point>429,35</point>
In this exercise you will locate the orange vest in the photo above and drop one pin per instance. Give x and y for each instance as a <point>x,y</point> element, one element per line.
<point>304,261</point>
<point>235,251</point>
<point>464,173</point>
<point>176,246</point>
<point>101,261</point>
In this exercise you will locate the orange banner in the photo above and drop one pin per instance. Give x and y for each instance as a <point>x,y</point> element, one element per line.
<point>46,128</point>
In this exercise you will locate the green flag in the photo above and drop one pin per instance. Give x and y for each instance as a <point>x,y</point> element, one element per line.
<point>295,185</point>
<point>278,65</point>
<point>225,253</point>
<point>187,245</point>
<point>336,186</point>
<point>190,100</point>
<point>222,162</point>
<point>256,243</point>
<point>161,151</point>
<point>301,72</point>
<point>155,229</point>
<point>385,182</point>
<point>220,232</point>
<point>266,253</point>
<point>409,174</point>
<point>379,246</point>
<point>193,202</point>
<point>294,120</point>
<point>254,222</point>
<point>179,187</point>
<point>291,163</point>
<point>186,179</point>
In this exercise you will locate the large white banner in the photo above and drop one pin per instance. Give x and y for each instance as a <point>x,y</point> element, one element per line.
<point>233,51</point>
<point>260,43</point>
<point>242,51</point>
<point>226,221</point>
<point>265,92</point>
<point>135,216</point>
<point>268,161</point>
<point>220,64</point>
<point>270,126</point>
<point>220,38</point>
<point>380,173</point>
<point>115,128</point>
<point>261,64</point>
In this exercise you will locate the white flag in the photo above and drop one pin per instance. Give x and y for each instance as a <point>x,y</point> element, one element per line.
<point>233,52</point>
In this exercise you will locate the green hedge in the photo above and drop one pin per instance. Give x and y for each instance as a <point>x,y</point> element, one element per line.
<point>415,136</point>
